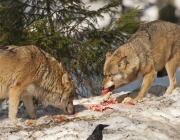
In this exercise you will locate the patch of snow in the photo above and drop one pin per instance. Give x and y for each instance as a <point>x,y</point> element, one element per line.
<point>37,134</point>
<point>152,1</point>
<point>95,6</point>
<point>175,112</point>
<point>150,14</point>
<point>134,3</point>
<point>177,4</point>
<point>155,117</point>
<point>4,105</point>
<point>13,137</point>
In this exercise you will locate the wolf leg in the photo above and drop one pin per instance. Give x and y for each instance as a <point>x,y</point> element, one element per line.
<point>171,67</point>
<point>14,98</point>
<point>28,102</point>
<point>147,81</point>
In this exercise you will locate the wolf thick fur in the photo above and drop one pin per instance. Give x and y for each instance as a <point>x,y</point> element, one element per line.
<point>155,47</point>
<point>28,71</point>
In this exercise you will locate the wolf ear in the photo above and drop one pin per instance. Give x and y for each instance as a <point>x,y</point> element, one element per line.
<point>108,55</point>
<point>65,78</point>
<point>123,62</point>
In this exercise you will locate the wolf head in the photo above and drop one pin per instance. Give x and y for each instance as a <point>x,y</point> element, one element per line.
<point>119,70</point>
<point>69,93</point>
<point>68,107</point>
<point>62,98</point>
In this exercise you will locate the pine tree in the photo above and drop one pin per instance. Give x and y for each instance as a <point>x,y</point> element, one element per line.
<point>67,30</point>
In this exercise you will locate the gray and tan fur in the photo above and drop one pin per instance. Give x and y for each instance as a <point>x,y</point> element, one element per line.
<point>155,47</point>
<point>28,71</point>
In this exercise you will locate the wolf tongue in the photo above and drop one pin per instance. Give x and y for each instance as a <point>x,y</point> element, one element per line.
<point>104,91</point>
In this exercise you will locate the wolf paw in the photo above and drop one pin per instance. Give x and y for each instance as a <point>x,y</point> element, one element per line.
<point>137,99</point>
<point>14,121</point>
<point>169,90</point>
<point>33,116</point>
<point>127,99</point>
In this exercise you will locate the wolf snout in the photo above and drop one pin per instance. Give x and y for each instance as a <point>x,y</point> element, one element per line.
<point>71,111</point>
<point>112,87</point>
<point>102,87</point>
<point>69,108</point>
<point>108,89</point>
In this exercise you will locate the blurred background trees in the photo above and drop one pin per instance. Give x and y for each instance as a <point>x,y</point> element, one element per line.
<point>70,31</point>
<point>66,29</point>
<point>169,11</point>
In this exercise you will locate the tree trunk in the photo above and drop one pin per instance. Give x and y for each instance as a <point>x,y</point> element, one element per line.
<point>50,16</point>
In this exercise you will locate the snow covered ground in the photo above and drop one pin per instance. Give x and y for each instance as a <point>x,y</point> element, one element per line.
<point>153,118</point>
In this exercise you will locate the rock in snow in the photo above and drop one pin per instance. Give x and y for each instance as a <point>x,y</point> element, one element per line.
<point>156,117</point>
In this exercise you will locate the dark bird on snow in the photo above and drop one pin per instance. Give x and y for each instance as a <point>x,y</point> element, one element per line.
<point>97,133</point>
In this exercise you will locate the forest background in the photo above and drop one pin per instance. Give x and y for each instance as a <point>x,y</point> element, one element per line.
<point>70,31</point>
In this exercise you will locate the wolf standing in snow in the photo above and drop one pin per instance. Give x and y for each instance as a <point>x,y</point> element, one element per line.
<point>28,71</point>
<point>155,47</point>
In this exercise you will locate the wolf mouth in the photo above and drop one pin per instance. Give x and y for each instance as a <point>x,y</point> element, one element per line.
<point>109,89</point>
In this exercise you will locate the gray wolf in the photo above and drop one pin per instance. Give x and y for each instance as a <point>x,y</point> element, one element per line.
<point>28,71</point>
<point>154,48</point>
